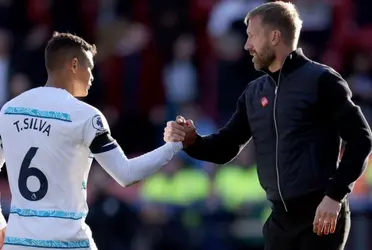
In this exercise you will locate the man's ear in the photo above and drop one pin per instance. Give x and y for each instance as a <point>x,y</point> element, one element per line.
<point>74,65</point>
<point>276,36</point>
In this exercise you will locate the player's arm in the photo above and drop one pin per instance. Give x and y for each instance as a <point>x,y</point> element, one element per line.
<point>112,158</point>
<point>225,145</point>
<point>335,98</point>
<point>2,161</point>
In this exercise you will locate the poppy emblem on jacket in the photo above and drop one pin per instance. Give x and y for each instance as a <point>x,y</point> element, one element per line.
<point>264,101</point>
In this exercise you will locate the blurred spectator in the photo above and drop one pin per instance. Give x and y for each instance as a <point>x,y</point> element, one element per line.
<point>30,59</point>
<point>316,30</point>
<point>19,83</point>
<point>180,79</point>
<point>106,12</point>
<point>225,12</point>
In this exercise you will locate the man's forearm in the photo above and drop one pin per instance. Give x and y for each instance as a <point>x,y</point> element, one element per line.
<point>224,146</point>
<point>128,171</point>
<point>214,148</point>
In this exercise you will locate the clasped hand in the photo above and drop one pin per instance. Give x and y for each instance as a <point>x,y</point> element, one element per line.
<point>180,130</point>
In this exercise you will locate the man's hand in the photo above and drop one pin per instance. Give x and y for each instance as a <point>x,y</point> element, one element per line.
<point>190,132</point>
<point>2,237</point>
<point>175,130</point>
<point>180,130</point>
<point>326,216</point>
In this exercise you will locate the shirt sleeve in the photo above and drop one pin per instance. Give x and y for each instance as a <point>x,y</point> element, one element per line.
<point>95,126</point>
<point>129,171</point>
<point>112,158</point>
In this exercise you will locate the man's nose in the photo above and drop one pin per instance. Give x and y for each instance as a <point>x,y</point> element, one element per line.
<point>248,46</point>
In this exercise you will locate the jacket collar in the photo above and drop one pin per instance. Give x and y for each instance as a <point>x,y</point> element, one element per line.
<point>292,62</point>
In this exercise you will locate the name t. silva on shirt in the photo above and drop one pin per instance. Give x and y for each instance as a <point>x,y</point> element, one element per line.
<point>33,124</point>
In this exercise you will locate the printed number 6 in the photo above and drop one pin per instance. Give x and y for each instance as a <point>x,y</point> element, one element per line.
<point>27,172</point>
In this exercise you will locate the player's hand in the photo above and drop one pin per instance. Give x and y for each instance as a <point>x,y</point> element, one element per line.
<point>2,237</point>
<point>326,216</point>
<point>190,131</point>
<point>175,130</point>
<point>180,130</point>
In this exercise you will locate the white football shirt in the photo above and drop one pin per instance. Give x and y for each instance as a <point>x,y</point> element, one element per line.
<point>46,135</point>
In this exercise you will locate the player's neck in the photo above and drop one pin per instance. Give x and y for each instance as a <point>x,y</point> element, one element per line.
<point>59,82</point>
<point>281,56</point>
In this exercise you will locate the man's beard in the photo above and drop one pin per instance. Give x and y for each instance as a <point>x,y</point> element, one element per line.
<point>264,59</point>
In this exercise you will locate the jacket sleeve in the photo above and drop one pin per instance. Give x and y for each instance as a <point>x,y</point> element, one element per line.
<point>335,96</point>
<point>224,146</point>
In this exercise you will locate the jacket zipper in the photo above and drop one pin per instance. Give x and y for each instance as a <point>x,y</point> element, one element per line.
<point>277,138</point>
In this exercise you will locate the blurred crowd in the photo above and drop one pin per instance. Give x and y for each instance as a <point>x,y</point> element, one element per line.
<point>160,58</point>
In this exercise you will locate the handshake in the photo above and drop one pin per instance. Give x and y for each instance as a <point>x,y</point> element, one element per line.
<point>181,130</point>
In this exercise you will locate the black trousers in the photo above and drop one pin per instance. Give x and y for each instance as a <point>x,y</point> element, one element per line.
<point>293,230</point>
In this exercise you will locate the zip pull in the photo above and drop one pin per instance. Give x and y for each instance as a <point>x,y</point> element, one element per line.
<point>276,89</point>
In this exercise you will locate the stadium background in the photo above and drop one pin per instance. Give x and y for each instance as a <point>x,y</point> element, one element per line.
<point>159,58</point>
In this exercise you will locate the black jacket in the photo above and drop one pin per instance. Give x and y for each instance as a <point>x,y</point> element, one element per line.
<point>296,118</point>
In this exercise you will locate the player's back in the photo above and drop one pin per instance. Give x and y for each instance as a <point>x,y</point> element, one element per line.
<point>47,165</point>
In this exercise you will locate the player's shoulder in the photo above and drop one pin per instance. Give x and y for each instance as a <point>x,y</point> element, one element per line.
<point>90,114</point>
<point>325,71</point>
<point>95,122</point>
<point>86,110</point>
<point>15,100</point>
<point>5,106</point>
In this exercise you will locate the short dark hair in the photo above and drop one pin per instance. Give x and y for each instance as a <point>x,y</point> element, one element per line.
<point>63,46</point>
<point>279,15</point>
